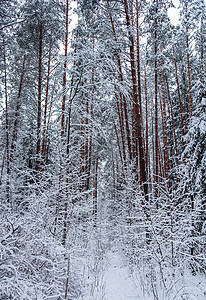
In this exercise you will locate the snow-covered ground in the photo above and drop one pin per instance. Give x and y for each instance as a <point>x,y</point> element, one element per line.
<point>114,282</point>
<point>119,284</point>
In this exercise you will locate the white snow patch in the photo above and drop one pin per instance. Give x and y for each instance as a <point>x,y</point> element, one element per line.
<point>119,284</point>
<point>202,127</point>
<point>203,101</point>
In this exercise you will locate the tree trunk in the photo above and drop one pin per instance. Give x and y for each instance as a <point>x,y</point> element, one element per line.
<point>43,150</point>
<point>82,145</point>
<point>17,113</point>
<point>91,129</point>
<point>39,98</point>
<point>156,103</point>
<point>166,156</point>
<point>118,143</point>
<point>64,75</point>
<point>172,117</point>
<point>121,127</point>
<point>179,97</point>
<point>138,60</point>
<point>95,193</point>
<point>202,61</point>
<point>147,131</point>
<point>188,68</point>
<point>122,81</point>
<point>7,129</point>
<point>63,127</point>
<point>68,122</point>
<point>137,112</point>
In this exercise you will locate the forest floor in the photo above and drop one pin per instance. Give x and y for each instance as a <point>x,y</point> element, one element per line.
<point>119,284</point>
<point>114,281</point>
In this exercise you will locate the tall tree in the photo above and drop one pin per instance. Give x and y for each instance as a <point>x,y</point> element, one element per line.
<point>137,111</point>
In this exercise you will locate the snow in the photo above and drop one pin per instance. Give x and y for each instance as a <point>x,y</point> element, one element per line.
<point>115,282</point>
<point>203,101</point>
<point>202,127</point>
<point>119,284</point>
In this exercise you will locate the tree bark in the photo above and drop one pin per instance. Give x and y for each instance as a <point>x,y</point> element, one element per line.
<point>7,128</point>
<point>121,127</point>
<point>156,102</point>
<point>147,127</point>
<point>138,60</point>
<point>123,96</point>
<point>179,97</point>
<point>137,117</point>
<point>39,98</point>
<point>91,128</point>
<point>43,150</point>
<point>172,117</point>
<point>95,193</point>
<point>118,143</point>
<point>189,71</point>
<point>63,127</point>
<point>63,132</point>
<point>17,112</point>
<point>166,156</point>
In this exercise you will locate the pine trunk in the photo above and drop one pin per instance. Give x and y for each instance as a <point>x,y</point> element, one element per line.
<point>43,150</point>
<point>147,128</point>
<point>156,104</point>
<point>166,156</point>
<point>123,97</point>
<point>64,75</point>
<point>189,71</point>
<point>90,129</point>
<point>17,113</point>
<point>95,193</point>
<point>39,98</point>
<point>7,129</point>
<point>179,97</point>
<point>137,111</point>
<point>172,117</point>
<point>63,127</point>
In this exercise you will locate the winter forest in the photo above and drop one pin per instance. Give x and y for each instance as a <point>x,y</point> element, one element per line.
<point>102,150</point>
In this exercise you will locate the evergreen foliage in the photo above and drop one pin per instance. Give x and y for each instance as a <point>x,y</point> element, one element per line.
<point>103,147</point>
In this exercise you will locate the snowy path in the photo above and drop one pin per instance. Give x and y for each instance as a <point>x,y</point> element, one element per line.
<point>118,283</point>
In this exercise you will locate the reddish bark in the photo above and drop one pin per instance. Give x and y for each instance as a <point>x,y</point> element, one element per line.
<point>82,147</point>
<point>118,143</point>
<point>166,156</point>
<point>39,97</point>
<point>137,117</point>
<point>91,129</point>
<point>156,103</point>
<point>95,193</point>
<point>68,121</point>
<point>179,96</point>
<point>43,150</point>
<point>117,169</point>
<point>113,172</point>
<point>188,68</point>
<point>138,60</point>
<point>63,125</point>
<point>147,133</point>
<point>122,81</point>
<point>121,126</point>
<point>64,74</point>
<point>17,112</point>
<point>87,135</point>
<point>7,128</point>
<point>202,52</point>
<point>49,117</point>
<point>172,117</point>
